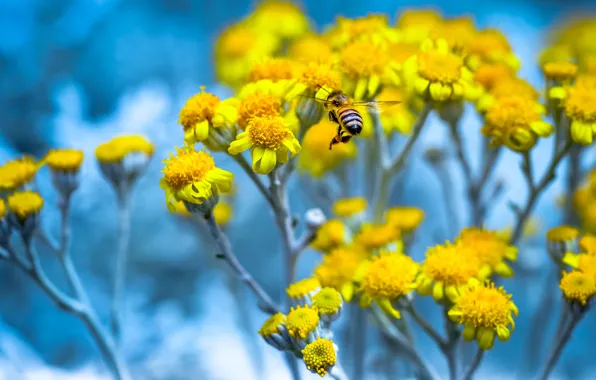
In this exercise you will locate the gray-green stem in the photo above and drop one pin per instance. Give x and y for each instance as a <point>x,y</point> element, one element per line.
<point>474,365</point>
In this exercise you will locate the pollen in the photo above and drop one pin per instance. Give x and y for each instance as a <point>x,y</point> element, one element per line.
<point>186,167</point>
<point>441,67</point>
<point>373,236</point>
<point>560,71</point>
<point>302,321</point>
<point>274,69</point>
<point>65,160</point>
<point>349,206</point>
<point>16,173</point>
<point>562,234</point>
<point>319,356</point>
<point>404,218</point>
<point>317,75</point>
<point>327,301</point>
<point>272,324</point>
<point>452,264</point>
<point>390,275</point>
<point>257,105</point>
<point>363,59</point>
<point>198,108</point>
<point>303,288</point>
<point>268,132</point>
<point>116,149</point>
<point>484,306</point>
<point>25,203</point>
<point>578,286</point>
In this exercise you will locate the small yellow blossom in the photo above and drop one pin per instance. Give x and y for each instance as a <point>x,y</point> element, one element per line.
<point>64,160</point>
<point>490,46</point>
<point>272,325</point>
<point>561,234</point>
<point>556,53</point>
<point>491,249</point>
<point>319,356</point>
<point>274,69</point>
<point>316,158</point>
<point>257,104</point>
<point>415,25</point>
<point>312,78</point>
<point>437,73</point>
<point>192,177</point>
<point>400,52</point>
<point>327,301</point>
<point>269,140</point>
<point>399,117</point>
<point>222,212</point>
<point>372,28</point>
<point>310,48</point>
<point>516,122</point>
<point>16,173</point>
<point>303,289</point>
<point>579,104</point>
<point>115,150</point>
<point>376,236</point>
<point>560,71</point>
<point>388,277</point>
<point>485,311</point>
<point>584,262</point>
<point>458,32</point>
<point>578,287</point>
<point>25,203</point>
<point>339,270</point>
<point>404,218</point>
<point>302,321</point>
<point>282,19</point>
<point>491,74</point>
<point>349,206</point>
<point>446,271</point>
<point>333,233</point>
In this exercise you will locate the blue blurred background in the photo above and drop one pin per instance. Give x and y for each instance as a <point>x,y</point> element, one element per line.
<point>75,73</point>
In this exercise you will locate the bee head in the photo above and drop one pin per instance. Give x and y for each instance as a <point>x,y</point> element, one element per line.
<point>337,99</point>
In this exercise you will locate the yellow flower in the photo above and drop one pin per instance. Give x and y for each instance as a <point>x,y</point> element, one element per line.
<point>396,118</point>
<point>331,234</point>
<point>446,271</point>
<point>516,122</point>
<point>310,48</point>
<point>304,289</point>
<point>587,244</point>
<point>328,303</point>
<point>491,249</point>
<point>222,212</point>
<point>302,321</point>
<point>376,236</point>
<point>270,141</point>
<point>560,71</point>
<point>458,32</point>
<point>404,218</point>
<point>491,74</point>
<point>438,74</point>
<point>237,48</point>
<point>490,46</point>
<point>16,173</point>
<point>280,18</point>
<point>313,77</point>
<point>258,104</point>
<point>388,277</point>
<point>506,87</point>
<point>373,28</point>
<point>415,25</point>
<point>579,104</point>
<point>562,234</point>
<point>205,118</point>
<point>347,207</point>
<point>64,160</point>
<point>25,203</point>
<point>556,53</point>
<point>192,177</point>
<point>274,332</point>
<point>578,287</point>
<point>366,66</point>
<point>584,262</point>
<point>115,150</point>
<point>319,356</point>
<point>274,69</point>
<point>339,269</point>
<point>484,310</point>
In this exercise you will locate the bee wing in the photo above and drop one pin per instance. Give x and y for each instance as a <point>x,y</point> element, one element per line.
<point>377,107</point>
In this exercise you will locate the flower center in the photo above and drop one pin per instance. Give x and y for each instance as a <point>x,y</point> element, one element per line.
<point>485,306</point>
<point>439,67</point>
<point>327,301</point>
<point>302,321</point>
<point>560,70</point>
<point>319,356</point>
<point>25,203</point>
<point>451,264</point>
<point>16,173</point>
<point>316,76</point>
<point>198,108</point>
<point>303,287</point>
<point>490,74</point>
<point>514,86</point>
<point>581,103</point>
<point>578,286</point>
<point>65,159</point>
<point>187,167</point>
<point>512,111</point>
<point>390,275</point>
<point>273,69</point>
<point>268,132</point>
<point>363,59</point>
<point>257,105</point>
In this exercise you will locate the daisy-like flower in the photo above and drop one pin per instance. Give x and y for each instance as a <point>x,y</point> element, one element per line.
<point>446,271</point>
<point>405,218</point>
<point>192,177</point>
<point>485,311</point>
<point>339,270</point>
<point>348,207</point>
<point>270,142</point>
<point>578,287</point>
<point>302,323</point>
<point>301,292</point>
<point>560,240</point>
<point>310,48</point>
<point>366,66</point>
<point>124,158</point>
<point>415,25</point>
<point>17,173</point>
<point>205,118</point>
<point>332,234</point>
<point>491,249</point>
<point>516,122</point>
<point>282,19</point>
<point>320,356</point>
<point>271,75</point>
<point>316,158</point>
<point>388,277</point>
<point>505,87</point>
<point>579,104</point>
<point>64,166</point>
<point>237,48</point>
<point>398,118</point>
<point>490,46</point>
<point>24,210</point>
<point>437,73</point>
<point>274,332</point>
<point>328,303</point>
<point>377,236</point>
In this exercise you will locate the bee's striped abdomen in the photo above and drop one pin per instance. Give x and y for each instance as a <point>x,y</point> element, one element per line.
<point>350,120</point>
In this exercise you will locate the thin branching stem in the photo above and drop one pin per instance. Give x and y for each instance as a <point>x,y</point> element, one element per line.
<point>428,329</point>
<point>119,284</point>
<point>254,177</point>
<point>474,365</point>
<point>461,155</point>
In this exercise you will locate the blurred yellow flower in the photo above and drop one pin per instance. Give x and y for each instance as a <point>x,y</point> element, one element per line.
<point>490,46</point>
<point>389,276</point>
<point>491,74</point>
<point>458,32</point>
<point>584,262</point>
<point>25,203</point>
<point>269,140</point>
<point>115,150</point>
<point>2,209</point>
<point>397,118</point>
<point>377,236</point>
<point>373,28</point>
<point>274,332</point>
<point>310,48</point>
<point>347,207</point>
<point>556,53</point>
<point>282,19</point>
<point>579,104</point>
<point>304,289</point>
<point>415,25</point>
<point>328,302</point>
<point>302,321</point>
<point>491,249</point>
<point>485,311</point>
<point>587,244</point>
<point>274,69</point>
<point>561,234</point>
<point>64,160</point>
<point>222,212</point>
<point>339,270</point>
<point>578,287</point>
<point>192,177</point>
<point>16,173</point>
<point>332,234</point>
<point>319,356</point>
<point>404,218</point>
<point>563,71</point>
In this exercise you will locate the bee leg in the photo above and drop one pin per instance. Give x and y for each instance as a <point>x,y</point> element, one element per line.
<point>335,140</point>
<point>332,117</point>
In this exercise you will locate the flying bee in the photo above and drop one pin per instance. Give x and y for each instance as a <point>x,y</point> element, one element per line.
<point>342,110</point>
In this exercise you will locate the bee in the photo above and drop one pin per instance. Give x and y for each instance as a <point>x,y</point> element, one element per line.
<point>342,110</point>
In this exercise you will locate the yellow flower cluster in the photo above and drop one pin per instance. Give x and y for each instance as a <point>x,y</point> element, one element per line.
<point>17,173</point>
<point>584,203</point>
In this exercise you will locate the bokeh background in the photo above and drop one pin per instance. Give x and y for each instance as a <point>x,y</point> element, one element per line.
<point>76,73</point>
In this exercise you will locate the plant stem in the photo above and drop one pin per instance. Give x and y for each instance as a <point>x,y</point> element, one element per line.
<point>461,156</point>
<point>221,240</point>
<point>124,203</point>
<point>359,341</point>
<point>254,177</point>
<point>573,179</point>
<point>428,329</point>
<point>474,365</point>
<point>559,344</point>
